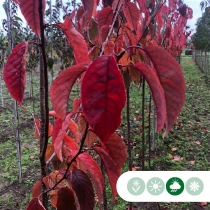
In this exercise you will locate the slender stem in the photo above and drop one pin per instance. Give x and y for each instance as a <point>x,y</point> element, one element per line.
<point>129,137</point>
<point>149,129</point>
<point>129,130</point>
<point>44,109</point>
<point>72,160</point>
<point>104,190</point>
<point>110,30</point>
<point>143,132</point>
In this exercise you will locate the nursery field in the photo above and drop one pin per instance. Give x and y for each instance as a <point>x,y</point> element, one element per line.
<point>186,147</point>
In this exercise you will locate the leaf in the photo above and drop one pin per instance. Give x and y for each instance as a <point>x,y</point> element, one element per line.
<point>49,151</point>
<point>15,71</point>
<point>37,129</point>
<point>108,48</point>
<point>132,14</point>
<point>59,133</point>
<point>203,203</point>
<point>73,128</point>
<point>53,178</point>
<point>105,17</point>
<point>170,156</point>
<point>177,158</point>
<point>91,136</point>
<point>174,149</point>
<point>103,96</point>
<point>66,199</point>
<point>111,169</point>
<point>157,93</point>
<point>83,189</point>
<point>35,204</point>
<point>30,11</point>
<point>192,162</point>
<point>76,104</point>
<point>172,80</point>
<point>116,149</point>
<point>104,31</point>
<point>107,3</point>
<point>76,40</point>
<point>61,88</point>
<point>37,188</point>
<point>94,171</point>
<point>198,142</point>
<point>89,6</point>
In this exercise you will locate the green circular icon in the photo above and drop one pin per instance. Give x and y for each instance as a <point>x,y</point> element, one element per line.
<point>194,186</point>
<point>136,186</point>
<point>155,186</point>
<point>175,186</point>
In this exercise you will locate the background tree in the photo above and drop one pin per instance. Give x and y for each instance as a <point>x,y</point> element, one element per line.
<point>204,4</point>
<point>201,38</point>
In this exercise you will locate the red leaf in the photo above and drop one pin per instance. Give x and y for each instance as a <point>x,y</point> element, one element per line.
<point>70,143</point>
<point>104,31</point>
<point>105,17</point>
<point>15,71</point>
<point>30,11</point>
<point>108,48</point>
<point>76,40</point>
<point>37,188</point>
<point>157,93</point>
<point>76,104</point>
<point>142,5</point>
<point>111,169</point>
<point>89,6</point>
<point>49,151</point>
<point>103,96</point>
<point>53,178</point>
<point>172,80</point>
<point>116,149</point>
<point>83,189</point>
<point>91,136</point>
<point>132,14</point>
<point>59,133</point>
<point>37,129</point>
<point>35,204</point>
<point>73,128</point>
<point>107,3</point>
<point>66,199</point>
<point>61,88</point>
<point>94,172</point>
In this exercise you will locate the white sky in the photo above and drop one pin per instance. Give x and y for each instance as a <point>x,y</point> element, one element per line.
<point>194,4</point>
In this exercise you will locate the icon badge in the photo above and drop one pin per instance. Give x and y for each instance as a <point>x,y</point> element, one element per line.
<point>175,186</point>
<point>194,186</point>
<point>155,186</point>
<point>136,186</point>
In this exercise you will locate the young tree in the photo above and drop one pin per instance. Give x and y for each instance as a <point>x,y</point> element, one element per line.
<point>120,37</point>
<point>200,39</point>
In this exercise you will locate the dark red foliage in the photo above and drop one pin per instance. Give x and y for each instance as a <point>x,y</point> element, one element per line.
<point>103,96</point>
<point>15,71</point>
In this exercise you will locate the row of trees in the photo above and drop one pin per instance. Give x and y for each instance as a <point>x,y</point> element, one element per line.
<point>201,39</point>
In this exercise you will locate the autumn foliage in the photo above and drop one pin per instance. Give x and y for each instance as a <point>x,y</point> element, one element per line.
<point>141,38</point>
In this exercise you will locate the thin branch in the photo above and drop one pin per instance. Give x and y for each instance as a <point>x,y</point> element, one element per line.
<point>72,160</point>
<point>143,126</point>
<point>151,19</point>
<point>112,26</point>
<point>36,127</point>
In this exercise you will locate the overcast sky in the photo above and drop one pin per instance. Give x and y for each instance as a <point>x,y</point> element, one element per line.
<point>194,4</point>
